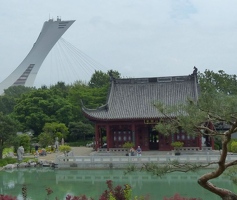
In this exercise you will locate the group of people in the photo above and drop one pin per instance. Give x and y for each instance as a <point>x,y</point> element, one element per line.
<point>138,151</point>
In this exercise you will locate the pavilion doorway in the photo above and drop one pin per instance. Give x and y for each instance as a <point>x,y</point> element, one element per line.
<point>153,139</point>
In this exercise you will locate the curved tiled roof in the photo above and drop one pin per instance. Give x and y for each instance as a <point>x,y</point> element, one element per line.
<point>134,98</point>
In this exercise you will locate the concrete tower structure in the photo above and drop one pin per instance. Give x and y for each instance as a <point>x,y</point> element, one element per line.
<point>26,72</point>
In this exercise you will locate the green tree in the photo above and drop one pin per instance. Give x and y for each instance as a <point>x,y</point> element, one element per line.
<point>8,100</point>
<point>23,140</point>
<point>55,129</point>
<point>7,104</point>
<point>216,104</point>
<point>45,139</point>
<point>91,97</point>
<point>8,130</point>
<point>221,81</point>
<point>101,79</point>
<point>38,107</point>
<point>17,91</point>
<point>80,130</point>
<point>114,74</point>
<point>60,89</point>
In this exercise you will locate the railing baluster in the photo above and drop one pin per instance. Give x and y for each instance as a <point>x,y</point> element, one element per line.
<point>63,161</point>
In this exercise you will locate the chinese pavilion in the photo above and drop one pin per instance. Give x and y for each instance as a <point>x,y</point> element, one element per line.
<point>129,114</point>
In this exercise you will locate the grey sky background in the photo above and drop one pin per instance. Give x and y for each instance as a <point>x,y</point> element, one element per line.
<point>138,38</point>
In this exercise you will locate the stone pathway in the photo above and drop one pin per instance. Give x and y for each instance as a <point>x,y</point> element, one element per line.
<point>77,151</point>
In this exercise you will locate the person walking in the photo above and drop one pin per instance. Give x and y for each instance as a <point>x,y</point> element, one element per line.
<point>139,151</point>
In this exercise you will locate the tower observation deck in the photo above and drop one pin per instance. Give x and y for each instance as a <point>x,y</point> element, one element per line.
<point>26,72</point>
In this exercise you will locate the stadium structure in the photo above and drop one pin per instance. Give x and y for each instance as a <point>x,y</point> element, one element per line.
<point>26,72</point>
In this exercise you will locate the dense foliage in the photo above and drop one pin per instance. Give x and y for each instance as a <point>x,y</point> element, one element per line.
<point>8,130</point>
<point>216,105</point>
<point>56,112</point>
<point>50,112</point>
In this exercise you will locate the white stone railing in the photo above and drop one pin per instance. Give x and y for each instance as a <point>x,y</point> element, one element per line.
<point>123,150</point>
<point>206,148</point>
<point>180,149</point>
<point>101,150</point>
<point>113,150</point>
<point>192,149</point>
<point>186,149</point>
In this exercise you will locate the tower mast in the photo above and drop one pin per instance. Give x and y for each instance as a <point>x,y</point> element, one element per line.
<point>26,72</point>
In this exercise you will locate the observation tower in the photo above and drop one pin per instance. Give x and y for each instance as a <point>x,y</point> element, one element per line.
<point>26,72</point>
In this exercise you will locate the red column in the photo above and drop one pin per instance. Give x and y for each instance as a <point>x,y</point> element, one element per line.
<point>108,137</point>
<point>133,134</point>
<point>212,143</point>
<point>96,137</point>
<point>199,141</point>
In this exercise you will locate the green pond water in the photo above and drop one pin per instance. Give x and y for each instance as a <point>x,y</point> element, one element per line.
<point>93,183</point>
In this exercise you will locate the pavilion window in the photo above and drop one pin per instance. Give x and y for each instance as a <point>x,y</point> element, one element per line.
<point>183,137</point>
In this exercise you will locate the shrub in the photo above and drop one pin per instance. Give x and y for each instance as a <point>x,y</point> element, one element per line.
<point>49,148</point>
<point>29,159</point>
<point>10,160</point>
<point>233,147</point>
<point>216,147</point>
<point>217,143</point>
<point>128,145</point>
<point>7,160</point>
<point>78,143</point>
<point>64,148</point>
<point>6,151</point>
<point>178,197</point>
<point>116,193</point>
<point>25,142</point>
<point>177,144</point>
<point>112,193</point>
<point>7,197</point>
<point>229,144</point>
<point>3,162</point>
<point>45,139</point>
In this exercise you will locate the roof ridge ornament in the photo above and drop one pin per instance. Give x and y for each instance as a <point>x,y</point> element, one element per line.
<point>111,76</point>
<point>195,70</point>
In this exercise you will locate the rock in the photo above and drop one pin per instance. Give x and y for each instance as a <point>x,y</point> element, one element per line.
<point>10,166</point>
<point>23,165</point>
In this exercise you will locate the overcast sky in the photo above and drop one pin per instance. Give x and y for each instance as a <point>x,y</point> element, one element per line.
<point>138,38</point>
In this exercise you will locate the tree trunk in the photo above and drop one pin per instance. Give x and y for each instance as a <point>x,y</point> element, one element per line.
<point>221,192</point>
<point>230,197</point>
<point>1,151</point>
<point>222,166</point>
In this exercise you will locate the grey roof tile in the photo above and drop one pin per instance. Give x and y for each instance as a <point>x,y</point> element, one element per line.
<point>134,98</point>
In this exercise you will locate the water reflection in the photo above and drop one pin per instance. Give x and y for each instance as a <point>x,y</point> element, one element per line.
<point>92,183</point>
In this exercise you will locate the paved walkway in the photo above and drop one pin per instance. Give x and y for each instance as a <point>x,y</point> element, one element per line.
<point>77,151</point>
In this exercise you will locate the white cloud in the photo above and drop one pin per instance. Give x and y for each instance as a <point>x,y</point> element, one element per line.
<point>136,37</point>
